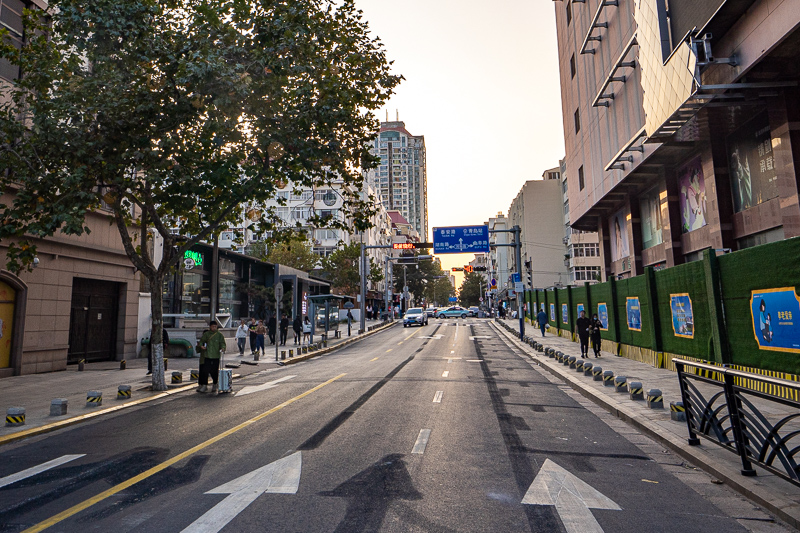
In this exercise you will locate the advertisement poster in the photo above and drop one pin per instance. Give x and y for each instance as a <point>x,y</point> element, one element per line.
<point>602,315</point>
<point>773,312</point>
<point>650,206</point>
<point>634,313</point>
<point>618,229</point>
<point>564,314</point>
<point>541,306</point>
<point>693,196</point>
<point>682,318</point>
<point>752,164</point>
<point>580,309</point>
<point>552,312</point>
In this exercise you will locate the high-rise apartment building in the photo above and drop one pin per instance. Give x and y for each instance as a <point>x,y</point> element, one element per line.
<point>680,125</point>
<point>401,180</point>
<point>583,259</point>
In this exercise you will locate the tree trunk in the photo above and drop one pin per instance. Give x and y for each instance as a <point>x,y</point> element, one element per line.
<point>156,325</point>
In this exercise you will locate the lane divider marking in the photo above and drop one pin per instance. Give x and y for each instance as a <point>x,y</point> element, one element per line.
<point>75,509</point>
<point>422,441</point>
<point>373,359</point>
<point>389,350</point>
<point>445,373</point>
<point>437,398</point>
<point>38,469</point>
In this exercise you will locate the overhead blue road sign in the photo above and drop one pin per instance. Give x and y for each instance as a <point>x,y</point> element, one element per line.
<point>461,239</point>
<point>515,277</point>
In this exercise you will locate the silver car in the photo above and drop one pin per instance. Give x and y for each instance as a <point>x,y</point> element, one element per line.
<point>415,316</point>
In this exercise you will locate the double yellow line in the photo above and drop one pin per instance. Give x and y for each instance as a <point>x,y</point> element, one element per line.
<point>41,526</point>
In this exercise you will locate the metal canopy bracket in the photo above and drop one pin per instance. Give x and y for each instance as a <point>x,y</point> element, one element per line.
<point>612,75</point>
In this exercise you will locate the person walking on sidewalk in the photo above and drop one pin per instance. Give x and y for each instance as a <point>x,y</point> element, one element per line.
<point>261,330</point>
<point>253,335</point>
<point>212,346</point>
<point>242,332</point>
<point>541,318</point>
<point>284,329</point>
<point>306,330</point>
<point>297,327</point>
<point>583,328</point>
<point>271,323</point>
<point>595,327</point>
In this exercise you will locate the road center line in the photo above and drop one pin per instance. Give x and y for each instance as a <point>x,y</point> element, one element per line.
<point>373,359</point>
<point>75,509</point>
<point>389,350</point>
<point>445,373</point>
<point>38,469</point>
<point>437,398</point>
<point>422,441</point>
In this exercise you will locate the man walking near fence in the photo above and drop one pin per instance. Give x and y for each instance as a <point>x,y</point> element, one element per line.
<point>582,327</point>
<point>541,318</point>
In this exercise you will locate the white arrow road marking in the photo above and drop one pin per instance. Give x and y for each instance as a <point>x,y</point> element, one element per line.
<point>479,337</point>
<point>437,337</point>
<point>437,398</point>
<point>38,469</point>
<point>250,389</point>
<point>422,441</point>
<point>445,373</point>
<point>571,496</point>
<point>280,477</point>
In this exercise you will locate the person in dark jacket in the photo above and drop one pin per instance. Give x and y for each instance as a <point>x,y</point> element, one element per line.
<point>595,334</point>
<point>541,318</point>
<point>271,325</point>
<point>297,327</point>
<point>253,335</point>
<point>284,329</point>
<point>583,328</point>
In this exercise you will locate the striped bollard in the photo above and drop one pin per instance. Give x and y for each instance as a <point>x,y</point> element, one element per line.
<point>655,400</point>
<point>597,373</point>
<point>15,416</point>
<point>177,377</point>
<point>578,365</point>
<point>94,398</point>
<point>608,378</point>
<point>124,392</point>
<point>566,360</point>
<point>587,368</point>
<point>677,412</point>
<point>194,375</point>
<point>621,384</point>
<point>283,354</point>
<point>635,390</point>
<point>291,352</point>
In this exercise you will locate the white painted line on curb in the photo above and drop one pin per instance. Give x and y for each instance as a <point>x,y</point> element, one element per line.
<point>437,398</point>
<point>422,441</point>
<point>445,373</point>
<point>38,469</point>
<point>473,360</point>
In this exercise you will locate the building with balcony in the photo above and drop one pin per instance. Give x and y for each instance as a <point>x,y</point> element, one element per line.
<point>582,257</point>
<point>680,126</point>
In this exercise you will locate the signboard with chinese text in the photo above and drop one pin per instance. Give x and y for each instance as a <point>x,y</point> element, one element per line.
<point>682,317</point>
<point>602,315</point>
<point>752,164</point>
<point>564,314</point>
<point>634,313</point>
<point>463,239</point>
<point>552,312</point>
<point>773,312</point>
<point>580,309</point>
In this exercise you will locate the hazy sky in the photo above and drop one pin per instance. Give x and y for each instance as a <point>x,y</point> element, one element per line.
<point>481,84</point>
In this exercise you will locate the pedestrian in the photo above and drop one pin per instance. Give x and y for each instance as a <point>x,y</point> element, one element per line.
<point>260,332</point>
<point>306,330</point>
<point>212,345</point>
<point>297,327</point>
<point>583,327</point>
<point>284,329</point>
<point>253,335</point>
<point>541,318</point>
<point>595,335</point>
<point>150,355</point>
<point>242,332</point>
<point>271,323</point>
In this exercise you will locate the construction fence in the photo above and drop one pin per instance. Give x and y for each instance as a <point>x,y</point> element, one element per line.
<point>740,309</point>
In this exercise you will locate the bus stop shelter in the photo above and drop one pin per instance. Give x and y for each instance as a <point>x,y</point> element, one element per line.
<point>325,310</point>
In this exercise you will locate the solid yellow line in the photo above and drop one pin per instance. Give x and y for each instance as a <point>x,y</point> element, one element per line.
<point>166,464</point>
<point>389,350</point>
<point>373,359</point>
<point>410,336</point>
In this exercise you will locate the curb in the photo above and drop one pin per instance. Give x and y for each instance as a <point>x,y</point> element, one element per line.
<point>729,474</point>
<point>324,351</point>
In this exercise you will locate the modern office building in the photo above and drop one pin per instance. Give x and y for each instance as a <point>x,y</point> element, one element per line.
<point>680,125</point>
<point>538,211</point>
<point>401,180</point>
<point>582,257</point>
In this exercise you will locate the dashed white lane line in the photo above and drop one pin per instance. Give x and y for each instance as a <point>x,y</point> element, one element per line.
<point>422,441</point>
<point>473,360</point>
<point>38,469</point>
<point>445,373</point>
<point>437,398</point>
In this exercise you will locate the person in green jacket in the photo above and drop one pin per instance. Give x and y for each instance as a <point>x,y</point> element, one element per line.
<point>212,346</point>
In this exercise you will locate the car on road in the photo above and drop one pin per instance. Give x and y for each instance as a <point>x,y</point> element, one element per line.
<point>415,316</point>
<point>430,312</point>
<point>474,310</point>
<point>455,311</point>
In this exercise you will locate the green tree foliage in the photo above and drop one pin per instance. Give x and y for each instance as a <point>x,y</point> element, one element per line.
<point>471,289</point>
<point>438,291</point>
<point>174,113</point>
<point>294,253</point>
<point>341,269</point>
<point>421,276</point>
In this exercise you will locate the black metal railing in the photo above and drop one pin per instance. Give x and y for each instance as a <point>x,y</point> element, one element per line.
<point>739,418</point>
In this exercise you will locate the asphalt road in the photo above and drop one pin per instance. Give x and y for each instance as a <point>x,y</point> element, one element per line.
<point>443,428</point>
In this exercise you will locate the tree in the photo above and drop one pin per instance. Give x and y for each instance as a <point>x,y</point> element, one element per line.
<point>341,269</point>
<point>419,276</point>
<point>295,253</point>
<point>175,112</point>
<point>439,290</point>
<point>471,289</point>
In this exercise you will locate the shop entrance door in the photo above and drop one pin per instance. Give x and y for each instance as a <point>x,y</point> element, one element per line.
<point>93,320</point>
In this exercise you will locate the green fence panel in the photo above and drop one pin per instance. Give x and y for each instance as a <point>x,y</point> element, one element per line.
<point>551,305</point>
<point>579,298</point>
<point>563,300</point>
<point>683,310</point>
<point>769,266</point>
<point>634,330</point>
<point>601,294</point>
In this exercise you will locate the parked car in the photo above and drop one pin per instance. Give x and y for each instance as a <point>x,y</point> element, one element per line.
<point>474,310</point>
<point>430,312</point>
<point>453,312</point>
<point>415,317</point>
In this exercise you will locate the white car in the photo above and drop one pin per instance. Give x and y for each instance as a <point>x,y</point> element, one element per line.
<point>415,316</point>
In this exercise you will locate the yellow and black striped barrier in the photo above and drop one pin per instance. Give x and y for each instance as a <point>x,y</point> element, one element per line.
<point>578,365</point>
<point>94,398</point>
<point>194,375</point>
<point>655,400</point>
<point>620,384</point>
<point>677,411</point>
<point>124,392</point>
<point>635,391</point>
<point>587,368</point>
<point>15,416</point>
<point>608,378</point>
<point>597,373</point>
<point>177,377</point>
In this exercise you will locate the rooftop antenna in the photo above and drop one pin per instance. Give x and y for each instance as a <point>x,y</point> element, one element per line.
<point>387,115</point>
<point>397,111</point>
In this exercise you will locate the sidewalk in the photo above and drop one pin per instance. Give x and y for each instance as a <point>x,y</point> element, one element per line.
<point>768,490</point>
<point>34,392</point>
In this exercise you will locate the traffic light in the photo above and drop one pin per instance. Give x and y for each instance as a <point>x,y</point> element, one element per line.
<point>480,269</point>
<point>467,268</point>
<point>529,268</point>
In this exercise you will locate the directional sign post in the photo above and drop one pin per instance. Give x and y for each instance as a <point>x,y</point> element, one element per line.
<point>461,239</point>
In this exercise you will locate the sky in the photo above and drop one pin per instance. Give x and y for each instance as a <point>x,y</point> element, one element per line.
<point>482,85</point>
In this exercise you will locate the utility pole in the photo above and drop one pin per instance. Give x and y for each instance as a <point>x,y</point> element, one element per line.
<point>363,304</point>
<point>518,247</point>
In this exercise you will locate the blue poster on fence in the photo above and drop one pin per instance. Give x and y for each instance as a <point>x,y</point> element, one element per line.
<point>634,313</point>
<point>580,309</point>
<point>552,312</point>
<point>682,317</point>
<point>774,326</point>
<point>602,315</point>
<point>564,314</point>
